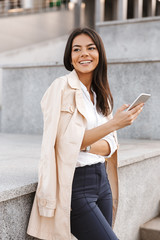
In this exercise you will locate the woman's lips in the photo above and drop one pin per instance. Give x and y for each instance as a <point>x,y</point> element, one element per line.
<point>85,62</point>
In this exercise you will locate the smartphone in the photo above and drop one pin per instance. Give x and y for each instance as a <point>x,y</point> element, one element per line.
<point>142,98</point>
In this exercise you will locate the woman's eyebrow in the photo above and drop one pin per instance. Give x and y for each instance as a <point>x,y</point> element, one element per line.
<point>76,46</point>
<point>88,45</point>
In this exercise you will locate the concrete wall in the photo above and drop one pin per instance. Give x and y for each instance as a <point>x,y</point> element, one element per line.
<point>139,180</point>
<point>0,94</point>
<point>51,51</point>
<point>24,86</point>
<point>14,215</point>
<point>47,51</point>
<point>127,81</point>
<point>131,39</point>
<point>139,193</point>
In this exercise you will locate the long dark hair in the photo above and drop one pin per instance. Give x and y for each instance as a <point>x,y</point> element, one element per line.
<point>100,81</point>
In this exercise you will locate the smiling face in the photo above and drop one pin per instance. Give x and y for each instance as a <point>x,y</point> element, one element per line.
<point>84,55</point>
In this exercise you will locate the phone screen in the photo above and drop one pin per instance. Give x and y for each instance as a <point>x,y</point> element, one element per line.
<point>142,98</point>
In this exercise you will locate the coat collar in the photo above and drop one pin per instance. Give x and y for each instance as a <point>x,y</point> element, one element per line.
<point>73,80</point>
<point>74,83</point>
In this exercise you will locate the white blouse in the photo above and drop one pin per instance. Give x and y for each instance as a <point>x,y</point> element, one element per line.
<point>94,119</point>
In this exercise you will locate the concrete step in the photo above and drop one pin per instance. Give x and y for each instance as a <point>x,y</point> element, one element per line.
<point>151,230</point>
<point>38,28</point>
<point>131,38</point>
<point>19,157</point>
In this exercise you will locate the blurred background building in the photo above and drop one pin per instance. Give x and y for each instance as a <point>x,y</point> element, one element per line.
<point>28,22</point>
<point>111,9</point>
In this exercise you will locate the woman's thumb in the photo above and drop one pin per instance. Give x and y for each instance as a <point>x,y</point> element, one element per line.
<point>123,107</point>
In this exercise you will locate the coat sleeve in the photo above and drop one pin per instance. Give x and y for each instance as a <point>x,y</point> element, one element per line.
<point>47,175</point>
<point>112,164</point>
<point>110,116</point>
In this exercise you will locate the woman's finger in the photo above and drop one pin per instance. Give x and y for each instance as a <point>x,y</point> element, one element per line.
<point>137,108</point>
<point>135,115</point>
<point>123,107</point>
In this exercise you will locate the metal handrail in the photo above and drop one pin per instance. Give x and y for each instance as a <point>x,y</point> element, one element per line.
<point>17,7</point>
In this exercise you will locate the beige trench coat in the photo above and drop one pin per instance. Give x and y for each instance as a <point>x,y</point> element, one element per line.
<point>64,126</point>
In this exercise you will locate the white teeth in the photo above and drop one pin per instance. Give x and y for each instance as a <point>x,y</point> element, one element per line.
<point>85,62</point>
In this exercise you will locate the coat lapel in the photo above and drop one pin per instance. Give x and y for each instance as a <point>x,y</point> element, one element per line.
<point>74,83</point>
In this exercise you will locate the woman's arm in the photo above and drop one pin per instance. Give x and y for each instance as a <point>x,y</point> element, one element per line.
<point>101,147</point>
<point>121,119</point>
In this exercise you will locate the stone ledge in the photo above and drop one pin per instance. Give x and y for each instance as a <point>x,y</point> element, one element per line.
<point>128,21</point>
<point>59,64</point>
<point>17,192</point>
<point>31,65</point>
<point>133,151</point>
<point>20,156</point>
<point>151,229</point>
<point>153,224</point>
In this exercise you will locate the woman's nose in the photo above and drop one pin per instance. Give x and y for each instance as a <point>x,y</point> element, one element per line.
<point>84,52</point>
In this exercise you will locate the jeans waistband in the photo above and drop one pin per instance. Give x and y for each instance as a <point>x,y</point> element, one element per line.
<point>90,168</point>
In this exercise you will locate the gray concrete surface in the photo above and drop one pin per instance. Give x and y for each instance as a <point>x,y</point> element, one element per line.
<point>139,196</point>
<point>127,80</point>
<point>19,156</point>
<point>21,97</point>
<point>47,51</point>
<point>23,87</point>
<point>131,39</point>
<point>139,181</point>
<point>151,230</point>
<point>134,38</point>
<point>14,215</point>
<point>20,31</point>
<point>50,51</point>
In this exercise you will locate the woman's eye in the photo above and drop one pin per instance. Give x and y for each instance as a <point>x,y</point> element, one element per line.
<point>92,48</point>
<point>76,49</point>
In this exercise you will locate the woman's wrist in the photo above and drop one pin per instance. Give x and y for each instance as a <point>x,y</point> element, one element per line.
<point>101,147</point>
<point>93,135</point>
<point>113,126</point>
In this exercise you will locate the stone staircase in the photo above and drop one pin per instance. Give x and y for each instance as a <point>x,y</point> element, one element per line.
<point>38,29</point>
<point>151,229</point>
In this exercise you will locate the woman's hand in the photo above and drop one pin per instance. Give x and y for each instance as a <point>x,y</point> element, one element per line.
<point>125,118</point>
<point>121,119</point>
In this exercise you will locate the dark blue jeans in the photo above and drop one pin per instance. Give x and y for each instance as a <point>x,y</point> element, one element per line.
<point>91,204</point>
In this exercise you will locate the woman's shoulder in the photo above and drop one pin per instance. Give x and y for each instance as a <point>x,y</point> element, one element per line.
<point>54,90</point>
<point>60,82</point>
<point>59,85</point>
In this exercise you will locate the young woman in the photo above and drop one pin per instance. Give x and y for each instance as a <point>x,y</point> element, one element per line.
<point>74,195</point>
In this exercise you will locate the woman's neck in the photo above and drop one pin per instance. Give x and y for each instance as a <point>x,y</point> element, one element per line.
<point>86,79</point>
